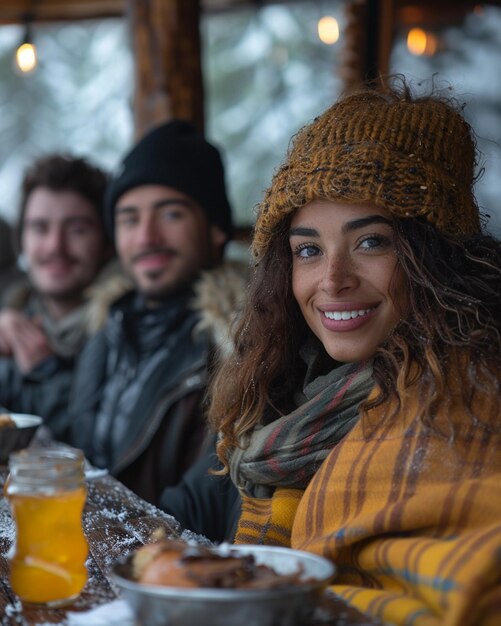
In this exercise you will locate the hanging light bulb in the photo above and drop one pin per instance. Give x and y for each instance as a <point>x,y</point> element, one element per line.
<point>26,53</point>
<point>328,29</point>
<point>421,42</point>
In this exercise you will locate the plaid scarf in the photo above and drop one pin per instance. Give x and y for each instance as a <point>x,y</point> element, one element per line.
<point>288,451</point>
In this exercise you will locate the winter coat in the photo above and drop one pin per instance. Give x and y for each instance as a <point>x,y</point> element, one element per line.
<point>204,503</point>
<point>410,516</point>
<point>136,406</point>
<point>45,390</point>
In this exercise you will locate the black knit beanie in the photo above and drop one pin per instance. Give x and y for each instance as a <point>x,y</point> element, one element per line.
<point>175,155</point>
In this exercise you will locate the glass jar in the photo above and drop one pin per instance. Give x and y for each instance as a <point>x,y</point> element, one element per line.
<point>46,490</point>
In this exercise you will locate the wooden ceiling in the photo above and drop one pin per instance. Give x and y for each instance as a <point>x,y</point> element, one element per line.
<point>14,11</point>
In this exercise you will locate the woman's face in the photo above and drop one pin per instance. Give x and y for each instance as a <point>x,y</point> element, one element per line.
<point>344,273</point>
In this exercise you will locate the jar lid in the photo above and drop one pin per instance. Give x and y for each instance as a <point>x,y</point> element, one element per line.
<point>41,465</point>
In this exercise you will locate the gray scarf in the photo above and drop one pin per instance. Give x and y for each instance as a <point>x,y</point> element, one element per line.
<point>67,335</point>
<point>288,451</point>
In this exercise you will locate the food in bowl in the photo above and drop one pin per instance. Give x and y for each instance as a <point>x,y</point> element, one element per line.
<point>16,433</point>
<point>6,421</point>
<point>173,563</point>
<point>287,604</point>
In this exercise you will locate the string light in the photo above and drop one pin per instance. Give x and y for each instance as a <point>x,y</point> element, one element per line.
<point>26,54</point>
<point>328,29</point>
<point>420,42</point>
<point>26,57</point>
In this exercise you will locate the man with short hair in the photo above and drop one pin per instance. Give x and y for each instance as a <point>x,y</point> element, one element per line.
<point>137,402</point>
<point>43,325</point>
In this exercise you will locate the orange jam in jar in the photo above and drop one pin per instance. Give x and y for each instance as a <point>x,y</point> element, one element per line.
<point>46,491</point>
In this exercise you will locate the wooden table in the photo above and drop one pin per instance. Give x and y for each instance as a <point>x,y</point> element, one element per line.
<point>116,522</point>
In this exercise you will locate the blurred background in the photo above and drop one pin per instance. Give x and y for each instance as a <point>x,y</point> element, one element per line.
<point>250,72</point>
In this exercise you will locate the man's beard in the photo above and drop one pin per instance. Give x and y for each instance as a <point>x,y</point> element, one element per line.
<point>157,296</point>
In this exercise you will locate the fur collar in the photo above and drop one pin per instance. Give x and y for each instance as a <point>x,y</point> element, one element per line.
<point>219,295</point>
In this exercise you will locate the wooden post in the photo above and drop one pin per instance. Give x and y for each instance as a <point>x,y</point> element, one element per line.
<point>368,41</point>
<point>165,38</point>
<point>386,30</point>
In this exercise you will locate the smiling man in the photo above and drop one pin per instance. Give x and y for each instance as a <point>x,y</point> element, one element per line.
<point>44,324</point>
<point>137,403</point>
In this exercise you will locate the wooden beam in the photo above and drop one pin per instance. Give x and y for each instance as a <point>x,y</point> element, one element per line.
<point>368,40</point>
<point>168,77</point>
<point>352,67</point>
<point>386,29</point>
<point>15,11</point>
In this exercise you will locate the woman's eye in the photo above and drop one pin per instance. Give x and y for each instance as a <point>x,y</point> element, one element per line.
<point>306,251</point>
<point>371,242</point>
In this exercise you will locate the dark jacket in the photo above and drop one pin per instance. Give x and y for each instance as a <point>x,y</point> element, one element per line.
<point>136,405</point>
<point>45,390</point>
<point>204,503</point>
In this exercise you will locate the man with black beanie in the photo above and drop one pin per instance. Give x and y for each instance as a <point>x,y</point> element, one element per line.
<point>137,402</point>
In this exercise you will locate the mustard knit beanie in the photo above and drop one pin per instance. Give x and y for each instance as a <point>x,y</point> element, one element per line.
<point>410,157</point>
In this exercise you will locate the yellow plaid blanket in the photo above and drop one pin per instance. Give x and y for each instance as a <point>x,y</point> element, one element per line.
<point>411,518</point>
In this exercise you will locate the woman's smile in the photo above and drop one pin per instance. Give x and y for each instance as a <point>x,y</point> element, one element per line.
<point>346,317</point>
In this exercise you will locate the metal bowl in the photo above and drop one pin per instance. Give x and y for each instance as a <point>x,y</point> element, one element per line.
<point>285,606</point>
<point>18,437</point>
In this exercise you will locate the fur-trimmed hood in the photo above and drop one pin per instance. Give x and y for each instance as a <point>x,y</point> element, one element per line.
<point>219,294</point>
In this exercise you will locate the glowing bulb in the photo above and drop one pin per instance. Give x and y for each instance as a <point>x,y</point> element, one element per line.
<point>26,57</point>
<point>420,42</point>
<point>328,29</point>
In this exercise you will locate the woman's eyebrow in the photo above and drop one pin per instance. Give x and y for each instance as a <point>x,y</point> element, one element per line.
<point>302,231</point>
<point>365,221</point>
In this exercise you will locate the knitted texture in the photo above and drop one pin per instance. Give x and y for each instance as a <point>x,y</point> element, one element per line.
<point>412,158</point>
<point>174,155</point>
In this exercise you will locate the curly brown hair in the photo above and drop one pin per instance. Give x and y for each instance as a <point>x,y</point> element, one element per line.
<point>454,288</point>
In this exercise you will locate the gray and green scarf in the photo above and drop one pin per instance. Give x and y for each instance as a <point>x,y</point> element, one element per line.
<point>288,451</point>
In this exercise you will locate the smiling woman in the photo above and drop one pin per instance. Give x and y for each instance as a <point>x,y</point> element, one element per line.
<point>345,277</point>
<point>359,416</point>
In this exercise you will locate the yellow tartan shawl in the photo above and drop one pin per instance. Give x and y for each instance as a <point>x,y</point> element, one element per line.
<point>268,521</point>
<point>411,519</point>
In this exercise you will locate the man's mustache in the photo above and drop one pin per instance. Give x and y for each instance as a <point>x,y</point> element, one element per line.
<point>145,253</point>
<point>65,258</point>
